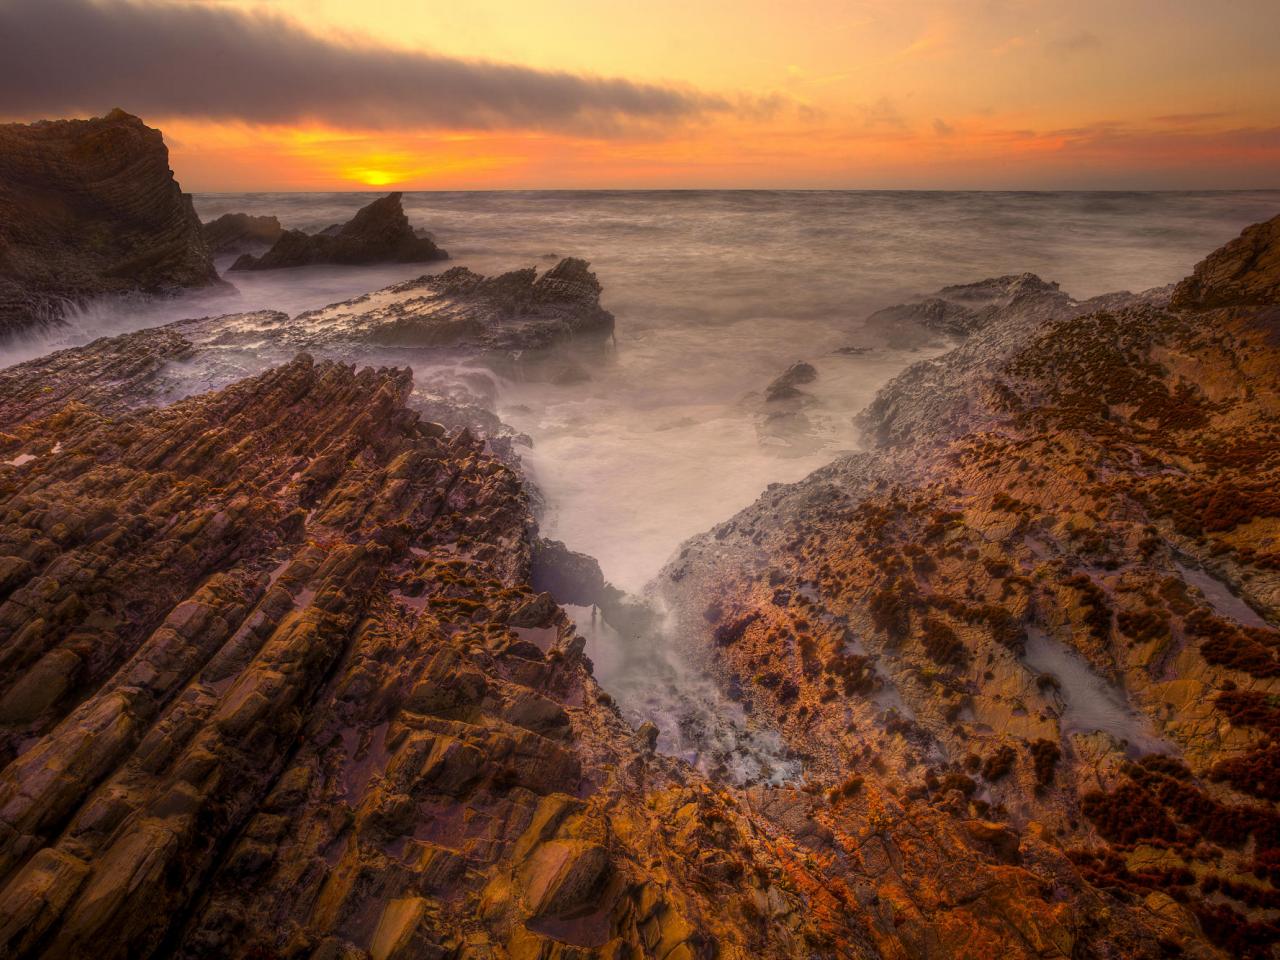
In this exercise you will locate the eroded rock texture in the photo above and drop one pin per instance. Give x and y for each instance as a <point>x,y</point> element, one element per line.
<point>90,207</point>
<point>1031,657</point>
<point>273,683</point>
<point>378,233</point>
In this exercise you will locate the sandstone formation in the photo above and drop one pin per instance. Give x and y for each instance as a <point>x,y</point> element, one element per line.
<point>1245,271</point>
<point>378,233</point>
<point>239,232</point>
<point>1030,658</point>
<point>87,208</point>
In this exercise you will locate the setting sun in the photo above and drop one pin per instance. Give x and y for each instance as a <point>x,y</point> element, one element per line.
<point>371,177</point>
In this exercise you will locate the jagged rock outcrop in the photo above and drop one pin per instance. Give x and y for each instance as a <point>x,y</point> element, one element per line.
<point>459,313</point>
<point>935,399</point>
<point>1246,272</point>
<point>460,309</point>
<point>239,232</point>
<point>378,233</point>
<point>89,208</point>
<point>1032,657</point>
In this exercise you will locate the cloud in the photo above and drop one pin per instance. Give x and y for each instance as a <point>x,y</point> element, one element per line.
<point>883,113</point>
<point>1074,43</point>
<point>213,62</point>
<point>942,128</point>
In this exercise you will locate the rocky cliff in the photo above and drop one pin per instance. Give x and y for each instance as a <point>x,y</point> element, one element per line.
<point>87,208</point>
<point>1027,646</point>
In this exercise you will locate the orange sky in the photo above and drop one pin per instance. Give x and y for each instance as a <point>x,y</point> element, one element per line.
<point>812,93</point>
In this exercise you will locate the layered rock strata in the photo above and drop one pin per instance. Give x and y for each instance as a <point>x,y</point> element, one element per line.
<point>90,208</point>
<point>273,683</point>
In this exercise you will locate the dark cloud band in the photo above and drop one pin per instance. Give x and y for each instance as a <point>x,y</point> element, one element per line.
<point>59,57</point>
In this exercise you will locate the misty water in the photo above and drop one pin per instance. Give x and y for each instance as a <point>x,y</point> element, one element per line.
<point>715,294</point>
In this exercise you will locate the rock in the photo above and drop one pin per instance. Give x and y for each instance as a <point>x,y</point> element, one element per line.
<point>986,638</point>
<point>258,688</point>
<point>238,232</point>
<point>786,385</point>
<point>537,612</point>
<point>993,317</point>
<point>459,311</point>
<point>90,208</point>
<point>263,690</point>
<point>378,233</point>
<point>1246,272</point>
<point>563,878</point>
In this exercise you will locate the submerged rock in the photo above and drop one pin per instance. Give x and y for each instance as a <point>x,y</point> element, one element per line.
<point>90,208</point>
<point>786,386</point>
<point>378,233</point>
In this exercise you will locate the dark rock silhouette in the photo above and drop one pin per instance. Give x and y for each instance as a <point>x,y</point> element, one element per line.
<point>239,232</point>
<point>87,208</point>
<point>786,386</point>
<point>378,233</point>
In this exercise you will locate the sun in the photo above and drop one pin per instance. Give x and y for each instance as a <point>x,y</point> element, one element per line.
<point>372,177</point>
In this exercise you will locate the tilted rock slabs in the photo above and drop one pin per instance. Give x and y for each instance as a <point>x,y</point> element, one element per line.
<point>1244,272</point>
<point>262,695</point>
<point>1031,657</point>
<point>459,313</point>
<point>461,309</point>
<point>378,233</point>
<point>87,208</point>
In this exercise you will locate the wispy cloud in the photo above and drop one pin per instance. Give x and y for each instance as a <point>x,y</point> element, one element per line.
<point>214,62</point>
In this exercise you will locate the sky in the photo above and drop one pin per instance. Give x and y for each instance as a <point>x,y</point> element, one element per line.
<point>492,94</point>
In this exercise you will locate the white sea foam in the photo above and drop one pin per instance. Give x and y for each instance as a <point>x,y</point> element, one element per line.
<point>1089,701</point>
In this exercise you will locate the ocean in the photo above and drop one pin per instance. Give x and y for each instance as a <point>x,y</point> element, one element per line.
<point>715,294</point>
